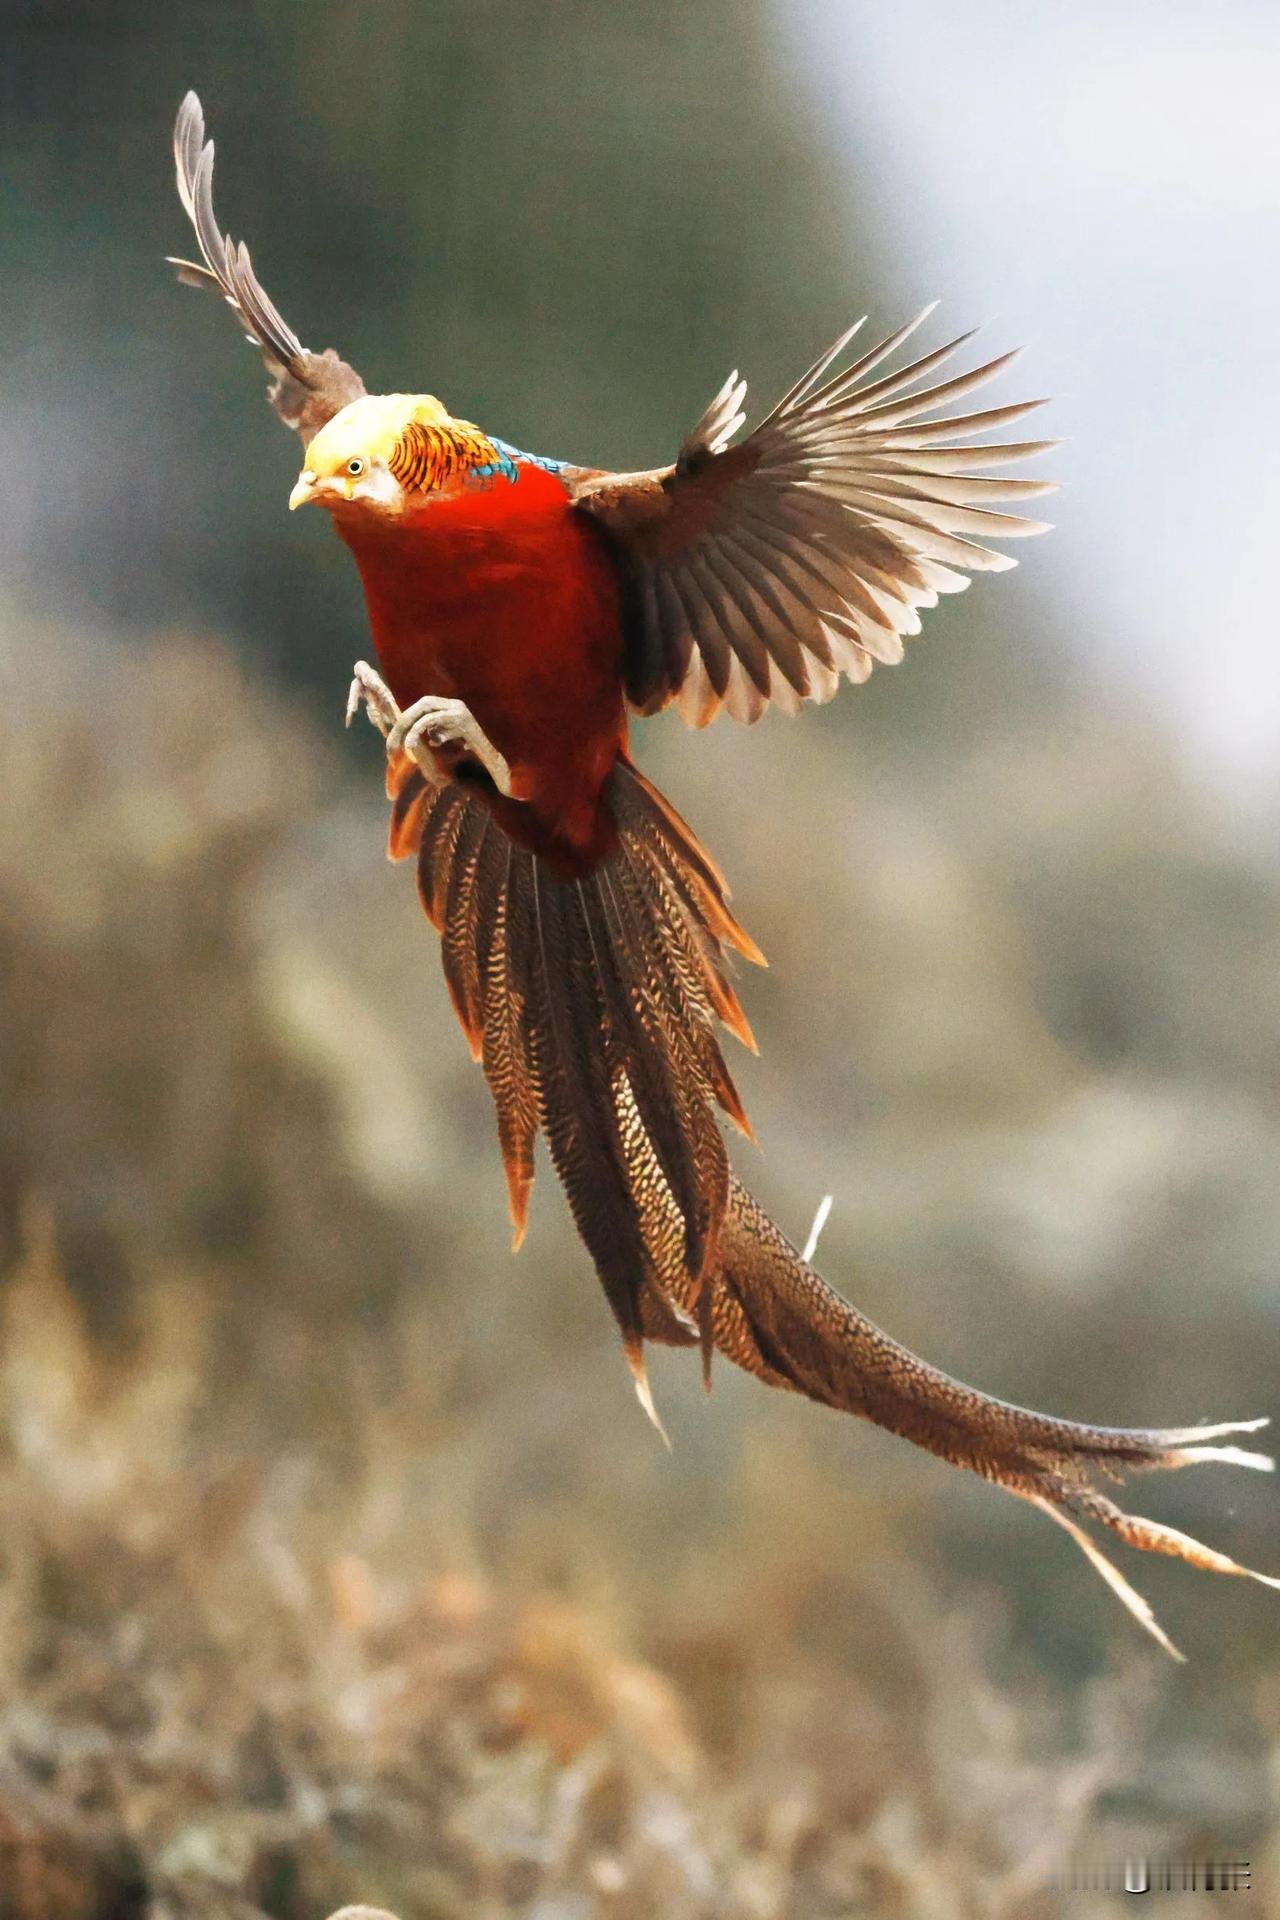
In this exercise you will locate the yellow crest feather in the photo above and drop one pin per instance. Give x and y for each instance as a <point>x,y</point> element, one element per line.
<point>423,445</point>
<point>372,428</point>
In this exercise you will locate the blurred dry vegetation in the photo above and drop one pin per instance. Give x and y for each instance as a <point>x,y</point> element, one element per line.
<point>336,1561</point>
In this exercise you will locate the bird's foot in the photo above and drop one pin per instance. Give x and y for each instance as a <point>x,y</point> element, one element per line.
<point>368,688</point>
<point>434,722</point>
<point>424,727</point>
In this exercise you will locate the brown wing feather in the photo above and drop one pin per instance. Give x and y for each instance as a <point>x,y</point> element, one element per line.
<point>306,388</point>
<point>759,573</point>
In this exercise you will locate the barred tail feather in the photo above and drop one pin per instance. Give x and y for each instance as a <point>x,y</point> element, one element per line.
<point>505,1053</point>
<point>776,1317</point>
<point>594,1006</point>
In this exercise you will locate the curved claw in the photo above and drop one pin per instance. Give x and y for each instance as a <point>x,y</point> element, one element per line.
<point>370,689</point>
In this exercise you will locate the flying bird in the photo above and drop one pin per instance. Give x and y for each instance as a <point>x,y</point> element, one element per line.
<point>523,610</point>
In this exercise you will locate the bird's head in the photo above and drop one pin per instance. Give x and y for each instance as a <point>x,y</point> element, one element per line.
<point>352,459</point>
<point>384,450</point>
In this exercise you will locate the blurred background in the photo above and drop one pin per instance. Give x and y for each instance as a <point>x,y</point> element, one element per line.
<point>338,1561</point>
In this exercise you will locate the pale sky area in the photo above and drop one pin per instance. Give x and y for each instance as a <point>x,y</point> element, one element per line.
<point>1103,183</point>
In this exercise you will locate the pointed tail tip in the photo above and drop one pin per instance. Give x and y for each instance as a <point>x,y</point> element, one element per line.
<point>1225,1456</point>
<point>1128,1595</point>
<point>1232,1426</point>
<point>1150,1536</point>
<point>738,1025</point>
<point>644,1393</point>
<point>1189,1448</point>
<point>518,1189</point>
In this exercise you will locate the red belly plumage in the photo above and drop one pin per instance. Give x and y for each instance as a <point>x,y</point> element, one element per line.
<point>503,597</point>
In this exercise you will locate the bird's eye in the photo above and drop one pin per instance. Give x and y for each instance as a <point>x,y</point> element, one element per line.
<point>355,467</point>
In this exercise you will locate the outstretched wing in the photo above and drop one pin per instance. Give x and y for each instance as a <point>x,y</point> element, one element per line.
<point>307,388</point>
<point>759,573</point>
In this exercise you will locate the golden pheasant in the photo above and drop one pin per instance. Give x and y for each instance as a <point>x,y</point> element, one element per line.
<point>522,609</point>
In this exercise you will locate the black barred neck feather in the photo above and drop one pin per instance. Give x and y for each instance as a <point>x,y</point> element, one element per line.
<point>441,456</point>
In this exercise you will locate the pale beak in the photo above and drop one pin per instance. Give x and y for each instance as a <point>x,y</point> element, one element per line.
<point>304,489</point>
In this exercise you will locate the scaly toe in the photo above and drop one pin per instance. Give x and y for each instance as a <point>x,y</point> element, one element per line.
<point>428,731</point>
<point>369,686</point>
<point>434,719</point>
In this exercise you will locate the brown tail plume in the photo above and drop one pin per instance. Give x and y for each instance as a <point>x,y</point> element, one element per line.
<point>776,1317</point>
<point>593,1005</point>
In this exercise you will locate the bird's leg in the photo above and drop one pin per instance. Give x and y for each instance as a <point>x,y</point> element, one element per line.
<point>424,726</point>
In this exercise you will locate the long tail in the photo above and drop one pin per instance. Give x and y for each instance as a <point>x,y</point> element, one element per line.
<point>777,1318</point>
<point>593,1005</point>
